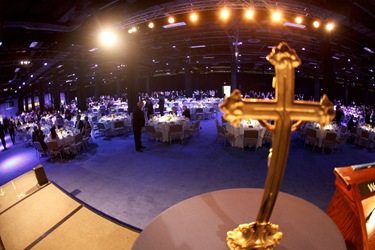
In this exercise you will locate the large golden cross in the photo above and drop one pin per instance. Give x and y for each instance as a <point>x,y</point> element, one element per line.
<point>288,114</point>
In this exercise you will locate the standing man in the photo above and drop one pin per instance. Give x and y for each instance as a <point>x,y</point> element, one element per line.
<point>2,135</point>
<point>138,123</point>
<point>149,107</point>
<point>161,104</point>
<point>79,124</point>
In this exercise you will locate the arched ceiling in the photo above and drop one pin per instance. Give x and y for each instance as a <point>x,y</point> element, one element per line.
<point>66,31</point>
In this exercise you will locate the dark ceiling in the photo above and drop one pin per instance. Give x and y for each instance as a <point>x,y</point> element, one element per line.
<point>66,31</point>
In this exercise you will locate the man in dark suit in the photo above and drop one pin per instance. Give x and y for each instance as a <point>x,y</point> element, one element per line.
<point>161,104</point>
<point>149,107</point>
<point>79,124</point>
<point>186,112</point>
<point>2,135</point>
<point>138,123</point>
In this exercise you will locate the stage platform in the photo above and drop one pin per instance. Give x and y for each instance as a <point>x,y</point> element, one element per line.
<point>46,217</point>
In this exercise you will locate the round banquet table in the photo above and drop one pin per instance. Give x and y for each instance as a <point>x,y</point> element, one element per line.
<point>203,221</point>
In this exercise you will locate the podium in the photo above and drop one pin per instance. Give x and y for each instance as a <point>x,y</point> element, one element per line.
<point>353,203</point>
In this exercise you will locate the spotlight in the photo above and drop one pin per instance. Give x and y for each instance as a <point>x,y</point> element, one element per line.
<point>224,13</point>
<point>276,16</point>
<point>151,25</point>
<point>249,14</point>
<point>108,38</point>
<point>330,26</point>
<point>299,20</point>
<point>316,24</point>
<point>193,17</point>
<point>171,20</point>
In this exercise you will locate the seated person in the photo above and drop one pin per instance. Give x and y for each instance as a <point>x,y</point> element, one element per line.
<point>38,136</point>
<point>56,125</point>
<point>67,126</point>
<point>86,127</point>
<point>54,137</point>
<point>186,112</point>
<point>174,111</point>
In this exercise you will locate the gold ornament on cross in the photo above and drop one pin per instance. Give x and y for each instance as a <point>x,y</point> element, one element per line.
<point>288,114</point>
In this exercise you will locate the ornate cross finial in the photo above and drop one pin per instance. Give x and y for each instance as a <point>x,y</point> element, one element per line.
<point>288,114</point>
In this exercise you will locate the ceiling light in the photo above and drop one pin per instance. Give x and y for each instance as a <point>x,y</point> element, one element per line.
<point>276,16</point>
<point>330,26</point>
<point>197,46</point>
<point>151,25</point>
<point>316,24</point>
<point>249,14</point>
<point>171,20</point>
<point>33,44</point>
<point>224,13</point>
<point>299,20</point>
<point>294,25</point>
<point>93,49</point>
<point>108,38</point>
<point>1,43</point>
<point>173,25</point>
<point>193,17</point>
<point>368,50</point>
<point>16,70</point>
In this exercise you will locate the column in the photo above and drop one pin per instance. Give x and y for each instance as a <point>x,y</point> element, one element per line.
<point>328,73</point>
<point>81,100</point>
<point>56,93</point>
<point>234,74</point>
<point>317,94</point>
<point>188,83</point>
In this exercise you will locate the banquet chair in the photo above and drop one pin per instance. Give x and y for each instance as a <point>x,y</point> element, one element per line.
<point>222,133</point>
<point>199,114</point>
<point>341,141</point>
<point>86,138</point>
<point>152,133</point>
<point>176,132</point>
<point>364,140</point>
<point>103,129</point>
<point>208,114</point>
<point>344,129</point>
<point>39,150</point>
<point>27,138</point>
<point>311,137</point>
<point>354,137</point>
<point>329,141</point>
<point>193,129</point>
<point>250,137</point>
<point>78,142</point>
<point>54,149</point>
<point>267,137</point>
<point>119,127</point>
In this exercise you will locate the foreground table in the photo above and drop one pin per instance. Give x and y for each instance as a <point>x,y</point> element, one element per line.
<point>203,221</point>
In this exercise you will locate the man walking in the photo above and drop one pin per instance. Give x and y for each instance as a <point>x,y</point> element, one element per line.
<point>2,135</point>
<point>138,123</point>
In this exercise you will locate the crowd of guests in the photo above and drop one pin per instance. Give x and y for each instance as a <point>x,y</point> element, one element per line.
<point>351,115</point>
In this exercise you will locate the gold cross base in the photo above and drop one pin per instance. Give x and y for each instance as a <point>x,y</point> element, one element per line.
<point>256,235</point>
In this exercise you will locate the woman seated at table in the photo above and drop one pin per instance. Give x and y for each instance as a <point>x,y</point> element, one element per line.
<point>67,127</point>
<point>54,137</point>
<point>174,111</point>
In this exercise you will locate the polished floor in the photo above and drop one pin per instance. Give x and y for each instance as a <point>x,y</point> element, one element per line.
<point>135,187</point>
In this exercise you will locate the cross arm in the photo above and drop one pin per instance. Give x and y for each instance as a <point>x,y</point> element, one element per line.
<point>313,111</point>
